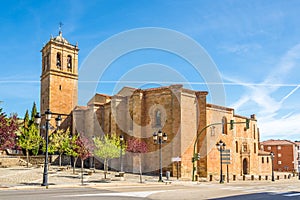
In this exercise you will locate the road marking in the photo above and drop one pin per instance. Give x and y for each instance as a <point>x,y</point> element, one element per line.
<point>119,194</point>
<point>292,195</point>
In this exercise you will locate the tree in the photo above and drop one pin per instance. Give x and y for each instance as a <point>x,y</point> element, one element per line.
<point>59,141</point>
<point>108,147</point>
<point>33,112</point>
<point>26,120</point>
<point>79,147</point>
<point>137,147</point>
<point>72,149</point>
<point>84,150</point>
<point>30,139</point>
<point>8,131</point>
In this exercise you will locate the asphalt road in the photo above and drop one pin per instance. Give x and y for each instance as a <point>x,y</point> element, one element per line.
<point>245,191</point>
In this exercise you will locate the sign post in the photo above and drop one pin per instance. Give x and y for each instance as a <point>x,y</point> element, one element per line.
<point>177,160</point>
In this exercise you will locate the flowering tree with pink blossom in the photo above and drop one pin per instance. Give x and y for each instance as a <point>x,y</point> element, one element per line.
<point>8,131</point>
<point>137,147</point>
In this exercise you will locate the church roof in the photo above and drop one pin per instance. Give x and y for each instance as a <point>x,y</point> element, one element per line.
<point>60,38</point>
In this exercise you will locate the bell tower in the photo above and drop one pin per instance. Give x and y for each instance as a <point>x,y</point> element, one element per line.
<point>59,78</point>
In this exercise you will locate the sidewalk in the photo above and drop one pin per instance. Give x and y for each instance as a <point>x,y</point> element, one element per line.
<point>31,178</point>
<point>22,177</point>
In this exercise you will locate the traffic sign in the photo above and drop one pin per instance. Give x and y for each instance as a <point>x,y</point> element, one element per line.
<point>226,162</point>
<point>226,158</point>
<point>176,159</point>
<point>226,154</point>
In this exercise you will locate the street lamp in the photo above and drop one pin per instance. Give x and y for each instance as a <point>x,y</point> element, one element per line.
<point>121,158</point>
<point>48,115</point>
<point>221,147</point>
<point>272,159</point>
<point>160,138</point>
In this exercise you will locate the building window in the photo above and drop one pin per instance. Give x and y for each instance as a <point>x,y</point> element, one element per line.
<point>254,131</point>
<point>261,147</point>
<point>279,162</point>
<point>58,60</point>
<point>236,146</point>
<point>254,147</point>
<point>158,118</point>
<point>245,149</point>
<point>279,147</point>
<point>267,159</point>
<point>224,125</point>
<point>279,155</point>
<point>262,160</point>
<point>44,63</point>
<point>60,87</point>
<point>269,148</point>
<point>69,63</point>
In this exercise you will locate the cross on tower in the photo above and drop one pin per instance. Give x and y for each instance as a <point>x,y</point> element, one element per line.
<point>60,25</point>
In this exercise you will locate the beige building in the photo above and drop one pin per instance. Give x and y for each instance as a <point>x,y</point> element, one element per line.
<point>183,114</point>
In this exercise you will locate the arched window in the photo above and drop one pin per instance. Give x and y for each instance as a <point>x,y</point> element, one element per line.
<point>158,118</point>
<point>58,60</point>
<point>69,63</point>
<point>224,125</point>
<point>254,132</point>
<point>44,63</point>
<point>236,146</point>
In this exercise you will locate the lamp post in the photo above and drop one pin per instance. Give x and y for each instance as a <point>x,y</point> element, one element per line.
<point>272,160</point>
<point>121,158</point>
<point>48,115</point>
<point>221,147</point>
<point>160,138</point>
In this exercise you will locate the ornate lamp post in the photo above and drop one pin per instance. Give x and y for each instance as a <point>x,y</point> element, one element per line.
<point>48,115</point>
<point>160,138</point>
<point>121,158</point>
<point>272,160</point>
<point>221,147</point>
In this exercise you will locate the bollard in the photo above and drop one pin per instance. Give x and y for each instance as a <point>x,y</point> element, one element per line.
<point>252,177</point>
<point>277,177</point>
<point>210,177</point>
<point>168,175</point>
<point>234,177</point>
<point>266,177</point>
<point>244,177</point>
<point>285,176</point>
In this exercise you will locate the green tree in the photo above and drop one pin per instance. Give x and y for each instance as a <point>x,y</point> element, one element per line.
<point>30,140</point>
<point>108,147</point>
<point>29,137</point>
<point>59,141</point>
<point>72,149</point>
<point>33,112</point>
<point>26,120</point>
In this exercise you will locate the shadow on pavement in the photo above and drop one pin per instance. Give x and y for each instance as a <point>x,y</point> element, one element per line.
<point>264,195</point>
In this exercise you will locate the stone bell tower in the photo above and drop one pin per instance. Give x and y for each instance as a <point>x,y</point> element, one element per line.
<point>59,78</point>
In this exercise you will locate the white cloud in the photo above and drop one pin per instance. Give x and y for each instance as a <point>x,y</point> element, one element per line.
<point>241,48</point>
<point>268,108</point>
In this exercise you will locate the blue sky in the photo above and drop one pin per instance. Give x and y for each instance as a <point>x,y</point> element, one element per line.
<point>254,44</point>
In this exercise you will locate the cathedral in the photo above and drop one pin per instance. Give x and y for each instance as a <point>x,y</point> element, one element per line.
<point>197,133</point>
